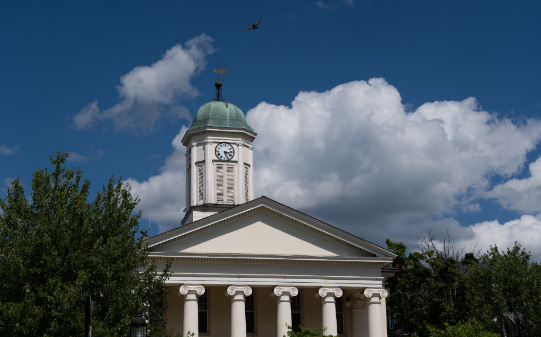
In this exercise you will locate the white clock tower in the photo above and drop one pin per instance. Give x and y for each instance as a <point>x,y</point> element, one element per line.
<point>219,159</point>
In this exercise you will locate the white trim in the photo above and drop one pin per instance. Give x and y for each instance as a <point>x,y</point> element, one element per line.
<point>270,259</point>
<point>189,133</point>
<point>305,281</point>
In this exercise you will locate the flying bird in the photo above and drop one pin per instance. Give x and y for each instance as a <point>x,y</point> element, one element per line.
<point>254,26</point>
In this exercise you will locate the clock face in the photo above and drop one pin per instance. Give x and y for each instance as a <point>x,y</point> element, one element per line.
<point>224,151</point>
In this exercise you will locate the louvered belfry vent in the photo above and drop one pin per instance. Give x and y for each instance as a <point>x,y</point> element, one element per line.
<point>246,184</point>
<point>200,184</point>
<point>230,185</point>
<point>225,184</point>
<point>219,183</point>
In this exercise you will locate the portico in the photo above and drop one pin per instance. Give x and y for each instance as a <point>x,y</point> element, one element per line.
<point>262,265</point>
<point>282,295</point>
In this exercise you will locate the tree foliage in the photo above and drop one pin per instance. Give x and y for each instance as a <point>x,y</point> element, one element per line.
<point>462,330</point>
<point>501,275</point>
<point>305,332</point>
<point>57,247</point>
<point>435,295</point>
<point>430,287</point>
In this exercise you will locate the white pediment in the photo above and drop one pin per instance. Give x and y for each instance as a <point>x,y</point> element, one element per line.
<point>265,228</point>
<point>260,234</point>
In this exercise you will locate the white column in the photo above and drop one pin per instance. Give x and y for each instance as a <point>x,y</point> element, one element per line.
<point>329,309</point>
<point>384,316</point>
<point>238,309</point>
<point>240,173</point>
<point>190,293</point>
<point>209,174</point>
<point>375,326</point>
<point>283,297</point>
<point>359,317</point>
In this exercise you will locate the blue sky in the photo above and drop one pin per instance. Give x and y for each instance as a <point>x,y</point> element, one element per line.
<point>58,57</point>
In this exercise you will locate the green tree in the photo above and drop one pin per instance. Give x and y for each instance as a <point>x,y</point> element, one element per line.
<point>56,247</point>
<point>305,332</point>
<point>429,288</point>
<point>501,275</point>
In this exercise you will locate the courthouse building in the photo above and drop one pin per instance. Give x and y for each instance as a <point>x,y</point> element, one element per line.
<point>245,266</point>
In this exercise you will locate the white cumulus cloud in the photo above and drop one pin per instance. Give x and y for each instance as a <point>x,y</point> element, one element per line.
<point>523,195</point>
<point>357,144</point>
<point>526,230</point>
<point>152,93</point>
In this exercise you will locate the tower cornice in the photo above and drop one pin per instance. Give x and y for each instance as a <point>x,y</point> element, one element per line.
<point>209,129</point>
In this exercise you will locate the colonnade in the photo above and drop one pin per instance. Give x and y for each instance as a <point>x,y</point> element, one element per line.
<point>366,307</point>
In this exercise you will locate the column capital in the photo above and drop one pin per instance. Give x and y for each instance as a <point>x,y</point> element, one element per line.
<point>232,290</point>
<point>186,288</point>
<point>370,292</point>
<point>324,292</point>
<point>291,290</point>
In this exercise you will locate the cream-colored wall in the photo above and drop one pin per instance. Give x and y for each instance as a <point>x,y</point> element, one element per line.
<point>262,234</point>
<point>311,312</point>
<point>175,310</point>
<point>266,312</point>
<point>219,312</point>
<point>199,152</point>
<point>348,325</point>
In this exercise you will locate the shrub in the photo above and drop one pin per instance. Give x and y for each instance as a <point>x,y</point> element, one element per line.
<point>462,330</point>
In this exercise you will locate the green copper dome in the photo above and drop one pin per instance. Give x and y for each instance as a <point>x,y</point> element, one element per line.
<point>220,114</point>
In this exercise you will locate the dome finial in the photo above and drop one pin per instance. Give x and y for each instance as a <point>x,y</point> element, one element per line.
<point>218,84</point>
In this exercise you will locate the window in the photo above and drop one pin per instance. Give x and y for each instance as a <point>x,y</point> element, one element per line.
<point>339,315</point>
<point>246,184</point>
<point>200,184</point>
<point>250,314</point>
<point>296,312</point>
<point>225,183</point>
<point>392,321</point>
<point>202,312</point>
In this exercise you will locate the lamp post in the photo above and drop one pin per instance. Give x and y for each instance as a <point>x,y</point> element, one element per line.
<point>138,325</point>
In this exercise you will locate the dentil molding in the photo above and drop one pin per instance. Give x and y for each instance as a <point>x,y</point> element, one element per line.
<point>292,291</point>
<point>185,289</point>
<point>232,290</point>
<point>369,292</point>
<point>324,291</point>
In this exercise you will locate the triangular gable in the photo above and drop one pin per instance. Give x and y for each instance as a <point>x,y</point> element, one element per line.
<point>264,227</point>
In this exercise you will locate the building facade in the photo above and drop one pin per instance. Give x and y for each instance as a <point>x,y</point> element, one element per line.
<point>251,267</point>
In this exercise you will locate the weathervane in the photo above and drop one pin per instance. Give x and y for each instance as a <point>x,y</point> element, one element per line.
<point>218,84</point>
